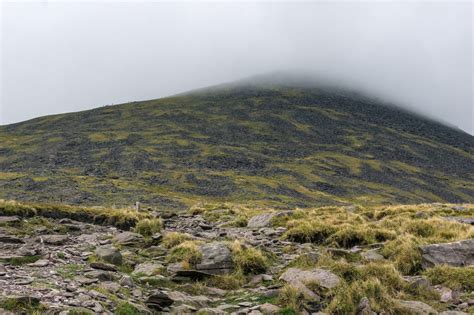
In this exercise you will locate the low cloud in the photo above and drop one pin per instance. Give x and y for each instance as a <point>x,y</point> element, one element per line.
<point>61,57</point>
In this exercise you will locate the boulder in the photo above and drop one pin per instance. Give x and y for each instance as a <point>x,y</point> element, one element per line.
<point>100,275</point>
<point>323,278</point>
<point>268,308</point>
<point>299,278</point>
<point>456,254</point>
<point>147,269</point>
<point>447,295</point>
<point>364,307</point>
<point>109,254</point>
<point>417,308</point>
<point>129,239</point>
<point>216,259</point>
<point>372,255</point>
<point>126,281</point>
<point>112,287</point>
<point>158,300</point>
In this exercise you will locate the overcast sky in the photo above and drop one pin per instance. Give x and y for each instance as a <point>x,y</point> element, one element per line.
<point>61,57</point>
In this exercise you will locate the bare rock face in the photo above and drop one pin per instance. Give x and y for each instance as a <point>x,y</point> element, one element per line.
<point>456,254</point>
<point>216,259</point>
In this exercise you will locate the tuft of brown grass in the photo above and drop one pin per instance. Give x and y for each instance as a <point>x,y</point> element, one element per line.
<point>172,239</point>
<point>247,259</point>
<point>148,227</point>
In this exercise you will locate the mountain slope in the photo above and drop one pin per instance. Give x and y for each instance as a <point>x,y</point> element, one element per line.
<point>266,144</point>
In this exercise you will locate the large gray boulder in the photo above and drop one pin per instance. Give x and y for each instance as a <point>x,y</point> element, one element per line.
<point>456,254</point>
<point>109,254</point>
<point>216,259</point>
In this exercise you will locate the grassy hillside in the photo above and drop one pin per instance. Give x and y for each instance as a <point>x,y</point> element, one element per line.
<point>269,145</point>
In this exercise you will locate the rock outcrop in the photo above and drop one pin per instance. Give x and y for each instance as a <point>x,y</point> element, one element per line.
<point>454,254</point>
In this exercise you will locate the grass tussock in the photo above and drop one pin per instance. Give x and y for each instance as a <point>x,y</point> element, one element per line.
<point>186,252</point>
<point>247,259</point>
<point>290,299</point>
<point>399,231</point>
<point>125,308</point>
<point>404,253</point>
<point>347,296</point>
<point>229,214</point>
<point>452,277</point>
<point>381,282</point>
<point>121,218</point>
<point>22,306</point>
<point>173,239</point>
<point>232,281</point>
<point>148,227</point>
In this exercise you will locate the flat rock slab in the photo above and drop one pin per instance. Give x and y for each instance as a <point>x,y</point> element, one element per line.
<point>40,263</point>
<point>322,277</point>
<point>264,220</point>
<point>129,239</point>
<point>147,269</point>
<point>418,308</point>
<point>5,238</point>
<point>54,239</point>
<point>103,266</point>
<point>456,254</point>
<point>9,219</point>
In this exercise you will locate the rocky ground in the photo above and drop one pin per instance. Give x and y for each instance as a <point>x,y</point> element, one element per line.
<point>193,264</point>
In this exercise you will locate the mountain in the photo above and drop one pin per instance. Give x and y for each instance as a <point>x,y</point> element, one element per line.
<point>267,143</point>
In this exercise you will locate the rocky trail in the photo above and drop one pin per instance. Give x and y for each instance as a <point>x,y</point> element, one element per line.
<point>61,266</point>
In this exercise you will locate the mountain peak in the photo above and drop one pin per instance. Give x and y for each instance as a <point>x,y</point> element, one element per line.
<point>268,140</point>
